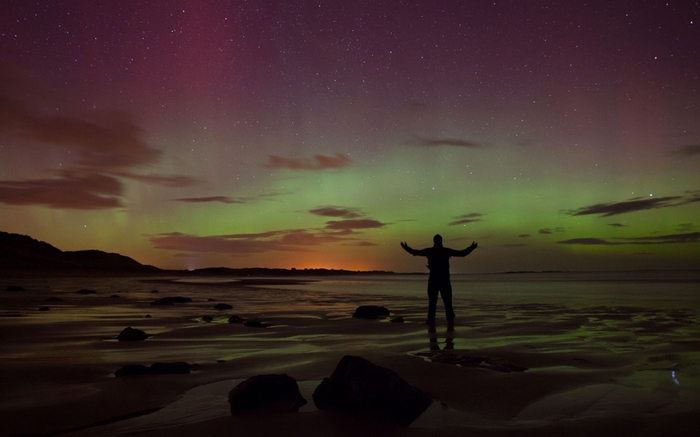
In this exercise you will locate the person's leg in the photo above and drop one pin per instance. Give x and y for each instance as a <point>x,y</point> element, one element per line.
<point>446,292</point>
<point>433,291</point>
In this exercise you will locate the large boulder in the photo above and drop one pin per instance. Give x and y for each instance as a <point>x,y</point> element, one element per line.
<point>359,385</point>
<point>268,393</point>
<point>132,334</point>
<point>371,312</point>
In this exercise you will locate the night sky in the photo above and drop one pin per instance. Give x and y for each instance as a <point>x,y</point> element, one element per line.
<point>559,135</point>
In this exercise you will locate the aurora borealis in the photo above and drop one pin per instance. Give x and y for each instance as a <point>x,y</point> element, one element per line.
<point>187,134</point>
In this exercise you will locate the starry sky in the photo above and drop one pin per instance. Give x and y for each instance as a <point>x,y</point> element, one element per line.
<point>320,134</point>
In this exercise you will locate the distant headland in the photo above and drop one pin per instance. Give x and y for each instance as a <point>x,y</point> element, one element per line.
<point>21,254</point>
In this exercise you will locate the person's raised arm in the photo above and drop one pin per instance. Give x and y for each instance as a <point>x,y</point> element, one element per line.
<point>408,249</point>
<point>466,251</point>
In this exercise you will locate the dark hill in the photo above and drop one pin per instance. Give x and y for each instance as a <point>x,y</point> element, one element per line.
<point>20,252</point>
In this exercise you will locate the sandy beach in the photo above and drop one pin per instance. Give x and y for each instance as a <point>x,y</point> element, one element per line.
<point>597,369</point>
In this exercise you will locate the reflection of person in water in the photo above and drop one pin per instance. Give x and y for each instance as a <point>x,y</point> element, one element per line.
<point>439,278</point>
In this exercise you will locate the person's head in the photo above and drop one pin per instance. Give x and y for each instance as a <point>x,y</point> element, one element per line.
<point>437,240</point>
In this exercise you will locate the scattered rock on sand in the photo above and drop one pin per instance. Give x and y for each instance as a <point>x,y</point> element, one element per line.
<point>371,312</point>
<point>359,385</point>
<point>222,306</point>
<point>132,334</point>
<point>155,369</point>
<point>269,393</point>
<point>86,291</point>
<point>256,324</point>
<point>15,288</point>
<point>235,319</point>
<point>497,364</point>
<point>171,300</point>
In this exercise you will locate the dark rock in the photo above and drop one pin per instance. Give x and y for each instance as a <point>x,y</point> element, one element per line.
<point>44,309</point>
<point>255,324</point>
<point>371,312</point>
<point>15,288</point>
<point>220,361</point>
<point>235,319</point>
<point>270,393</point>
<point>132,334</point>
<point>359,385</point>
<point>114,296</point>
<point>397,320</point>
<point>207,318</point>
<point>155,369</point>
<point>86,291</point>
<point>222,306</point>
<point>52,299</point>
<point>148,316</point>
<point>133,369</point>
<point>211,299</point>
<point>155,291</point>
<point>171,300</point>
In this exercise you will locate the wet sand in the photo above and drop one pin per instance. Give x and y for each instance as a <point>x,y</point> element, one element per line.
<point>591,369</point>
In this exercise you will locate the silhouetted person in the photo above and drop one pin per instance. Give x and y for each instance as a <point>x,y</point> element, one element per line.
<point>439,278</point>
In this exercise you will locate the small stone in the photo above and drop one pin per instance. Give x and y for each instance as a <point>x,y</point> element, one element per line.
<point>222,306</point>
<point>256,324</point>
<point>132,334</point>
<point>235,319</point>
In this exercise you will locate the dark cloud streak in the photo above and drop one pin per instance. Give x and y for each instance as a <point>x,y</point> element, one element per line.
<point>317,162</point>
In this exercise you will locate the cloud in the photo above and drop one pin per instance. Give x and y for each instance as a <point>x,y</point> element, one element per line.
<point>692,237</point>
<point>349,225</point>
<point>548,231</point>
<point>222,199</point>
<point>588,242</point>
<point>68,191</point>
<point>465,219</point>
<point>333,211</point>
<point>106,146</point>
<point>317,162</point>
<point>227,199</point>
<point>439,142</point>
<point>635,204</point>
<point>687,150</point>
<point>685,227</point>
<point>294,240</point>
<point>171,181</point>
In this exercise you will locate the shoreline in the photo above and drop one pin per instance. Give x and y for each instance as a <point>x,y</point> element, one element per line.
<point>595,367</point>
